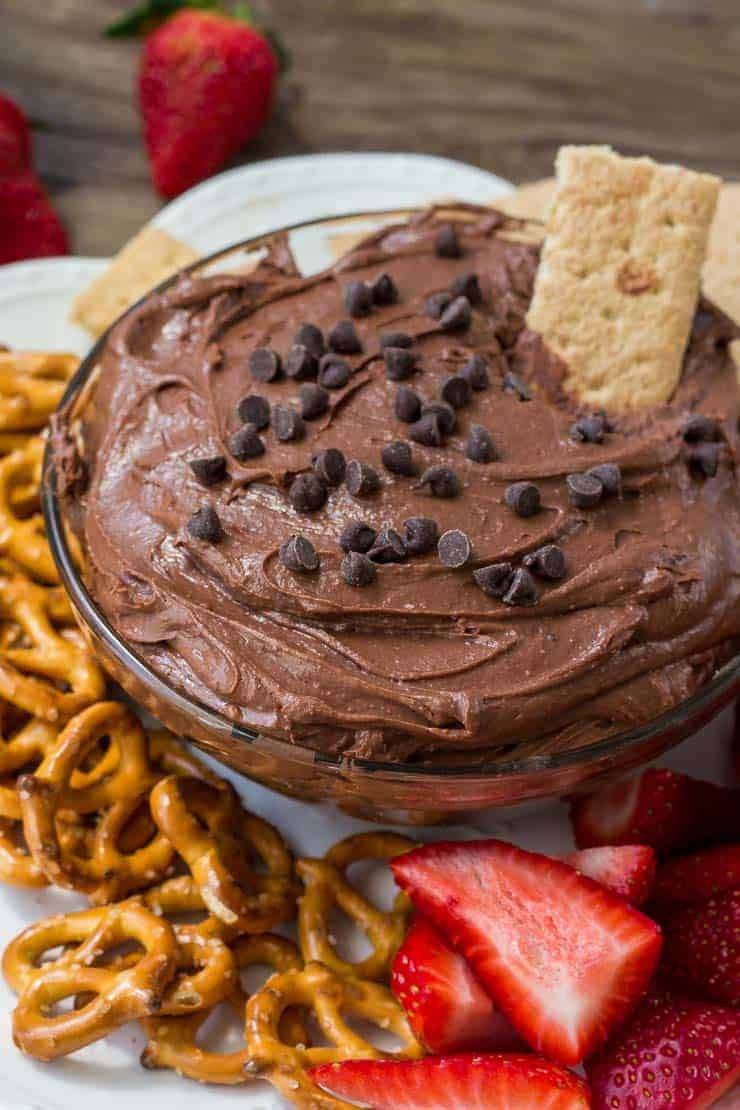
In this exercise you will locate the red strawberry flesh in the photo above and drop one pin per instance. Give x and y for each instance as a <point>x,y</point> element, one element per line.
<point>15,138</point>
<point>628,870</point>
<point>702,947</point>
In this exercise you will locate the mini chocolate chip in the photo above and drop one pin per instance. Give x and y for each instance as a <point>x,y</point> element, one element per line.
<point>314,400</point>
<point>445,413</point>
<point>584,490</point>
<point>299,554</point>
<point>457,315</point>
<point>703,459</point>
<point>441,480</point>
<point>447,244</point>
<point>264,364</point>
<point>330,466</point>
<point>610,476</point>
<point>407,405</point>
<point>588,429</point>
<point>420,534</point>
<point>254,410</point>
<point>400,363</point>
<point>246,443</point>
<point>456,391</point>
<point>287,424</point>
<point>522,590</point>
<point>357,536</point>
<point>301,364</point>
<point>205,525</point>
<point>361,479</point>
<point>383,289</point>
<point>388,547</point>
<point>334,372</point>
<point>467,285</point>
<point>427,430</point>
<point>454,549</point>
<point>358,299</point>
<point>307,493</point>
<point>312,338</point>
<point>357,569</point>
<point>494,579</point>
<point>700,429</point>
<point>395,339</point>
<point>514,384</point>
<point>480,447</point>
<point>209,472</point>
<point>344,339</point>
<point>397,458</point>
<point>476,371</point>
<point>548,562</point>
<point>436,304</point>
<point>523,498</point>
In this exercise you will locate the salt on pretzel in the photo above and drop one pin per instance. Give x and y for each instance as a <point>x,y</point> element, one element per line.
<point>49,675</point>
<point>123,860</point>
<point>326,884</point>
<point>32,384</point>
<point>216,837</point>
<point>331,998</point>
<point>173,1042</point>
<point>22,537</point>
<point>178,897</point>
<point>117,995</point>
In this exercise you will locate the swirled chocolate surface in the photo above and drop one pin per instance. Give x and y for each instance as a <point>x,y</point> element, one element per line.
<point>421,663</point>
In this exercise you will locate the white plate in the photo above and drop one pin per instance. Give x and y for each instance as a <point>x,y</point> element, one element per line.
<point>34,302</point>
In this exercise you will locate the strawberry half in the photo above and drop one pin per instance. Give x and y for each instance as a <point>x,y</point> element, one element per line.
<point>29,226</point>
<point>628,870</point>
<point>563,958</point>
<point>447,1082</point>
<point>702,948</point>
<point>668,811</point>
<point>675,1053</point>
<point>15,138</point>
<point>447,1007</point>
<point>700,876</point>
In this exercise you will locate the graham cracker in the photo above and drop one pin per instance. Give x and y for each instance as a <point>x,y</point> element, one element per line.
<point>530,201</point>
<point>722,268</point>
<point>145,261</point>
<point>617,286</point>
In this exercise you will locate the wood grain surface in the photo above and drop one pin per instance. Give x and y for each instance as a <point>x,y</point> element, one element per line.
<point>500,83</point>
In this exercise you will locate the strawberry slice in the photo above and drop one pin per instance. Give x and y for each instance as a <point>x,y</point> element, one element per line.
<point>668,811</point>
<point>564,959</point>
<point>450,1082</point>
<point>702,948</point>
<point>447,1007</point>
<point>700,876</point>
<point>675,1053</point>
<point>628,870</point>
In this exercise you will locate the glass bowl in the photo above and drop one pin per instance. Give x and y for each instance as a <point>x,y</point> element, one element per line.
<point>382,791</point>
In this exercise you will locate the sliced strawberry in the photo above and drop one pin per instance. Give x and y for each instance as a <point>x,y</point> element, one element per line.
<point>700,876</point>
<point>15,138</point>
<point>447,1007</point>
<point>702,947</point>
<point>628,870</point>
<point>455,1083</point>
<point>29,227</point>
<point>564,959</point>
<point>668,811</point>
<point>675,1053</point>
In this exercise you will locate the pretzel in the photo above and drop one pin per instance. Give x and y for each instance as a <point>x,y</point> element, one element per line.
<point>31,386</point>
<point>27,746</point>
<point>169,755</point>
<point>211,831</point>
<point>180,896</point>
<point>17,867</point>
<point>118,865</point>
<point>326,884</point>
<point>173,1042</point>
<point>119,995</point>
<point>22,538</point>
<point>31,675</point>
<point>330,997</point>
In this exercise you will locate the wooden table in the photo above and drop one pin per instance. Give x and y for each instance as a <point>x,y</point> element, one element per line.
<point>500,83</point>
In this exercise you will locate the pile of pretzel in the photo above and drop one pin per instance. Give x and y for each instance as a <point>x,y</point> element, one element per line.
<point>92,802</point>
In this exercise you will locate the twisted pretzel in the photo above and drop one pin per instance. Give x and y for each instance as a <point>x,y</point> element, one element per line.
<point>22,537</point>
<point>173,1041</point>
<point>29,745</point>
<point>170,756</point>
<point>118,995</point>
<point>17,867</point>
<point>211,831</point>
<point>127,852</point>
<point>181,897</point>
<point>31,387</point>
<point>330,997</point>
<point>326,884</point>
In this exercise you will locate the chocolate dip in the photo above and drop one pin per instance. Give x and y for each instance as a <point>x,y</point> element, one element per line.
<point>430,659</point>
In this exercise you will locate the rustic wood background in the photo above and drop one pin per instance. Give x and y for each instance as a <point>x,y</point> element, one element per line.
<point>500,83</point>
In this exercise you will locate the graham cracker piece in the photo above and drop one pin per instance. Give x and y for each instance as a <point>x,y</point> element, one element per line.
<point>530,201</point>
<point>145,261</point>
<point>617,286</point>
<point>722,267</point>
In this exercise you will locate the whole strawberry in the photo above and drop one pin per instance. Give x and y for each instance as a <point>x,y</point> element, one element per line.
<point>15,138</point>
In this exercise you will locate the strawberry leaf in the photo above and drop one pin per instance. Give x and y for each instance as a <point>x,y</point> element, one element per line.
<point>144,18</point>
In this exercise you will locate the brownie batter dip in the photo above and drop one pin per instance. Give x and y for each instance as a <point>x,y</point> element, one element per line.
<point>358,511</point>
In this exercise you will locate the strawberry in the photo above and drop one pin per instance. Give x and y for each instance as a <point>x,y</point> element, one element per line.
<point>29,227</point>
<point>15,138</point>
<point>445,1082</point>
<point>675,1053</point>
<point>447,1007</point>
<point>700,876</point>
<point>669,811</point>
<point>563,958</point>
<point>628,870</point>
<point>702,948</point>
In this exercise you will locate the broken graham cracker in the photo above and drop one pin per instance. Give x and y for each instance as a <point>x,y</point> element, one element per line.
<point>618,282</point>
<point>145,261</point>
